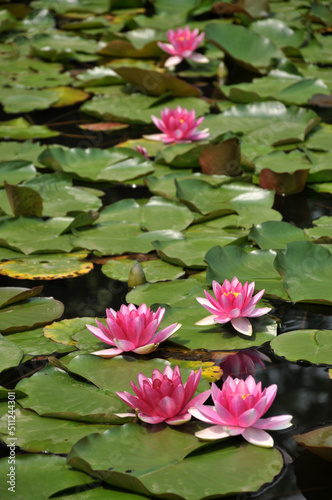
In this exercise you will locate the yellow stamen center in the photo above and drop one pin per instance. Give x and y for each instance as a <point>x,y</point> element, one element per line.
<point>181,120</point>
<point>233,293</point>
<point>244,396</point>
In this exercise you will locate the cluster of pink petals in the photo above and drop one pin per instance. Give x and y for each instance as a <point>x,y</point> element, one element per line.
<point>238,409</point>
<point>163,397</point>
<point>132,329</point>
<point>234,303</point>
<point>240,364</point>
<point>143,151</point>
<point>182,44</point>
<point>178,125</point>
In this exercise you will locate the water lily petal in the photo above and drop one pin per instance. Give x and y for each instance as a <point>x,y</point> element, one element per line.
<point>274,423</point>
<point>108,353</point>
<point>258,437</point>
<point>242,325</point>
<point>212,433</point>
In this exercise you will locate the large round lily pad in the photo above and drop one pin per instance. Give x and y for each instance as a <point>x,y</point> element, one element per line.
<point>309,345</point>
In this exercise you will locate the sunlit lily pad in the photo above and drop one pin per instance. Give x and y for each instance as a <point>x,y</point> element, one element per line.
<point>314,346</point>
<point>216,337</point>
<point>47,267</point>
<point>21,129</point>
<point>137,107</point>
<point>298,264</point>
<point>41,434</point>
<point>276,234</point>
<point>27,151</point>
<point>97,164</point>
<point>34,343</point>
<point>10,295</point>
<point>57,476</point>
<point>155,458</point>
<point>54,393</point>
<point>248,48</point>
<point>154,270</point>
<point>159,213</point>
<point>62,332</point>
<point>17,171</point>
<point>256,266</point>
<point>321,230</point>
<point>18,100</point>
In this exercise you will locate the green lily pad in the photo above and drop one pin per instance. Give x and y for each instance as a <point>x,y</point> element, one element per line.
<point>41,434</point>
<point>227,262</point>
<point>60,197</point>
<point>249,49</point>
<point>30,234</point>
<point>320,170</point>
<point>154,270</point>
<point>321,232</point>
<point>280,33</point>
<point>216,337</point>
<point>27,152</point>
<point>276,234</point>
<point>57,476</point>
<point>190,252</point>
<point>124,238</point>
<point>136,107</point>
<point>60,47</point>
<point>314,346</point>
<point>279,162</point>
<point>18,100</point>
<point>53,393</point>
<point>62,6</point>
<point>183,292</point>
<point>21,129</point>
<point>318,441</point>
<point>102,494</point>
<point>24,201</point>
<point>156,457</point>
<point>16,171</point>
<point>97,164</point>
<point>10,355</point>
<point>298,264</point>
<point>159,213</point>
<point>47,267</point>
<point>30,313</point>
<point>10,295</point>
<point>157,83</point>
<point>34,343</point>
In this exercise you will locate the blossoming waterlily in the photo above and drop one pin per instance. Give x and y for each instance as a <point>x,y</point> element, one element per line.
<point>237,409</point>
<point>163,397</point>
<point>178,125</point>
<point>234,303</point>
<point>182,44</point>
<point>132,329</point>
<point>240,364</point>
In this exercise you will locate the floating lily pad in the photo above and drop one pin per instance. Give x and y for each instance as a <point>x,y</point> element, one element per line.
<point>16,171</point>
<point>47,267</point>
<point>30,313</point>
<point>256,266</point>
<point>216,337</point>
<point>156,457</point>
<point>27,152</point>
<point>318,441</point>
<point>10,355</point>
<point>62,332</point>
<point>276,234</point>
<point>321,169</point>
<point>18,100</point>
<point>10,295</point>
<point>249,49</point>
<point>314,346</point>
<point>57,476</point>
<point>154,270</point>
<point>41,434</point>
<point>33,343</point>
<point>21,129</point>
<point>59,47</point>
<point>97,164</point>
<point>53,393</point>
<point>67,96</point>
<point>137,108</point>
<point>298,264</point>
<point>62,6</point>
<point>159,213</point>
<point>321,232</point>
<point>24,201</point>
<point>31,234</point>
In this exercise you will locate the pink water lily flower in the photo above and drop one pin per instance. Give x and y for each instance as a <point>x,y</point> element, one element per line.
<point>163,397</point>
<point>178,125</point>
<point>234,303</point>
<point>132,329</point>
<point>238,409</point>
<point>182,44</point>
<point>143,151</point>
<point>240,364</point>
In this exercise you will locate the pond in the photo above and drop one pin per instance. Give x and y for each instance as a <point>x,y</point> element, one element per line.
<point>160,154</point>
